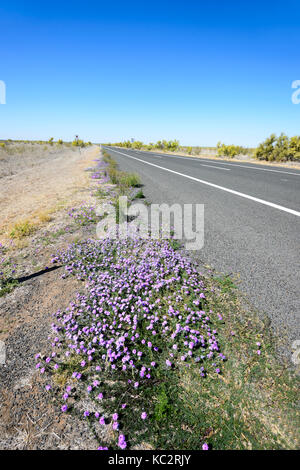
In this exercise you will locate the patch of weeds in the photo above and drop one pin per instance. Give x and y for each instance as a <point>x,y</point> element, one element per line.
<point>163,406</point>
<point>131,180</point>
<point>22,229</point>
<point>51,236</point>
<point>139,195</point>
<point>7,285</point>
<point>101,193</point>
<point>7,271</point>
<point>175,244</point>
<point>225,283</point>
<point>62,375</point>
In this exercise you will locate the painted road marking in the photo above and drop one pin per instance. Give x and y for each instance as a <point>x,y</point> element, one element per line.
<point>236,193</point>
<point>218,168</point>
<point>223,163</point>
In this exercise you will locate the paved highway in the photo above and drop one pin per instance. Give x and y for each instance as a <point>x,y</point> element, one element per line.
<point>252,222</point>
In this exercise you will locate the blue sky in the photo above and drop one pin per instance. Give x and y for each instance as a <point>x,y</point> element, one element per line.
<point>196,71</point>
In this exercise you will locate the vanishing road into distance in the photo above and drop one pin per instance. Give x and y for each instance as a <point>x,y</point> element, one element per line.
<point>252,223</point>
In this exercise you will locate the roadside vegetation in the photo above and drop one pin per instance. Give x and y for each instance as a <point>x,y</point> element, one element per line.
<point>50,141</point>
<point>154,355</point>
<point>232,151</point>
<point>279,149</point>
<point>171,145</point>
<point>7,272</point>
<point>174,146</point>
<point>274,149</point>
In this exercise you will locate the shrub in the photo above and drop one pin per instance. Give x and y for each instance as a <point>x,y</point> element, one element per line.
<point>172,145</point>
<point>22,229</point>
<point>279,149</point>
<point>79,143</point>
<point>295,147</point>
<point>137,145</point>
<point>230,150</point>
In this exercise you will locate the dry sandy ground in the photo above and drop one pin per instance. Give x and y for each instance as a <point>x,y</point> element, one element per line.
<point>29,417</point>
<point>38,183</point>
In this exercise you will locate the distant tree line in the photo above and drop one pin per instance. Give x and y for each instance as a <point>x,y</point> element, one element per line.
<point>170,145</point>
<point>51,141</point>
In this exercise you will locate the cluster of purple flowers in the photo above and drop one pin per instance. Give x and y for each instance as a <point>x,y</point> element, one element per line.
<point>96,175</point>
<point>143,312</point>
<point>84,215</point>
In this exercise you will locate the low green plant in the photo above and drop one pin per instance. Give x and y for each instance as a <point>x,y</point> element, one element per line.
<point>163,406</point>
<point>139,195</point>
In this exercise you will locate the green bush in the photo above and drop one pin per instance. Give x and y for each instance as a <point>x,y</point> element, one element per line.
<point>79,143</point>
<point>279,149</point>
<point>230,151</point>
<point>295,147</point>
<point>137,145</point>
<point>173,145</point>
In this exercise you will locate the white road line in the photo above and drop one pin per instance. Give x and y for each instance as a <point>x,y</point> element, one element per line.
<point>156,156</point>
<point>223,163</point>
<point>237,193</point>
<point>260,169</point>
<point>218,168</point>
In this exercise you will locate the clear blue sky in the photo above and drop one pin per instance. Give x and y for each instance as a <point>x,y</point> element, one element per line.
<point>197,71</point>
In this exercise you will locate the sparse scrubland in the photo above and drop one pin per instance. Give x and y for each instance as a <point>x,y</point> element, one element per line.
<point>273,149</point>
<point>148,350</point>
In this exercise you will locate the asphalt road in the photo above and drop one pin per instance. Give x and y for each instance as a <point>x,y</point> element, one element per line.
<point>252,222</point>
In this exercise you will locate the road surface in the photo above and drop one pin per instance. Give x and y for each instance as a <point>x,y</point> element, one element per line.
<point>252,223</point>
